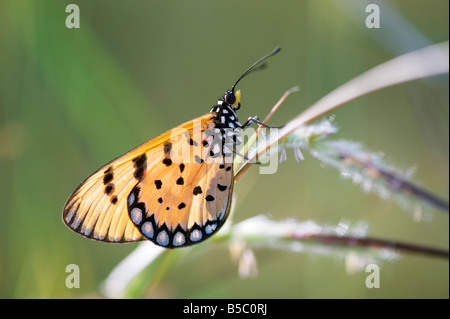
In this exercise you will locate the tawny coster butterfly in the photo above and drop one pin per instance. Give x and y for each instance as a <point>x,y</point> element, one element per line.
<point>174,190</point>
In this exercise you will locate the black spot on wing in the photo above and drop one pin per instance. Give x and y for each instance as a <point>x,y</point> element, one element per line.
<point>180,181</point>
<point>108,170</point>
<point>197,190</point>
<point>109,189</point>
<point>197,159</point>
<point>192,142</point>
<point>167,161</point>
<point>139,173</point>
<point>108,178</point>
<point>140,165</point>
<point>167,148</point>
<point>140,160</point>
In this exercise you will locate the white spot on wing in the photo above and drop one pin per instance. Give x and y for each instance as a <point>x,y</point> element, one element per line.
<point>196,235</point>
<point>162,238</point>
<point>210,228</point>
<point>179,239</point>
<point>222,214</point>
<point>136,215</point>
<point>147,229</point>
<point>131,199</point>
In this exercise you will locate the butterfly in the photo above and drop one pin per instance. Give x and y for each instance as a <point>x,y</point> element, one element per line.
<point>174,190</point>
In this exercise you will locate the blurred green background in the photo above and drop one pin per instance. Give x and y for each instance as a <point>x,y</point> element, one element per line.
<point>73,99</point>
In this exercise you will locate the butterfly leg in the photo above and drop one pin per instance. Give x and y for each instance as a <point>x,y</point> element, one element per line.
<point>277,105</point>
<point>243,156</point>
<point>255,119</point>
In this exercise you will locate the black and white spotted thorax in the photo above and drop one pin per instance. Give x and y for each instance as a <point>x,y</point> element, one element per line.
<point>225,116</point>
<point>227,128</point>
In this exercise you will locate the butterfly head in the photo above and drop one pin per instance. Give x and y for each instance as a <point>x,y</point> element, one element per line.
<point>233,99</point>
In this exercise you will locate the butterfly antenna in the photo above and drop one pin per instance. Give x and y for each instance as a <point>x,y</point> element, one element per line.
<point>252,68</point>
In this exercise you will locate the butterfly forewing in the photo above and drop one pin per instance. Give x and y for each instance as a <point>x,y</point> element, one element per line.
<point>95,208</point>
<point>174,190</point>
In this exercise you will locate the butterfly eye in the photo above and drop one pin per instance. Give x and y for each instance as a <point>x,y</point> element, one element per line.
<point>232,98</point>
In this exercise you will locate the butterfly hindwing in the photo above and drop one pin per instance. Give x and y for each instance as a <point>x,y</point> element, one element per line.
<point>174,190</point>
<point>184,200</point>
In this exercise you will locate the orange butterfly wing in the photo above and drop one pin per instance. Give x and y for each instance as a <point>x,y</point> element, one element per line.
<point>174,190</point>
